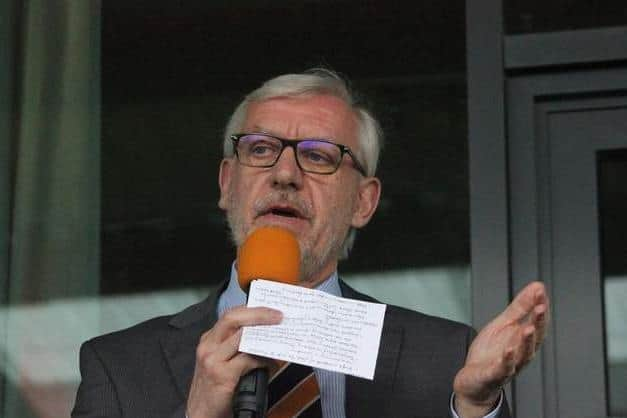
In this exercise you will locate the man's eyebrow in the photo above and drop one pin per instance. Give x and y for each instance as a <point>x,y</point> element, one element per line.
<point>257,128</point>
<point>261,130</point>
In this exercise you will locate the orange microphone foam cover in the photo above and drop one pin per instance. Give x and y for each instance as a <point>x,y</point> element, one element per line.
<point>269,253</point>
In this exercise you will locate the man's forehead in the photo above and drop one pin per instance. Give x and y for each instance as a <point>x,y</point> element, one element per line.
<point>320,115</point>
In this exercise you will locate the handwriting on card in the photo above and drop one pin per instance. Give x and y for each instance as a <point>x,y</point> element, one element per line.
<point>318,329</point>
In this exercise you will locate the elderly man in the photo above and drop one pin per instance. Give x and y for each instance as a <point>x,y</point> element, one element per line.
<point>301,154</point>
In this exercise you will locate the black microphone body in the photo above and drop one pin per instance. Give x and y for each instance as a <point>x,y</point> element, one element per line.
<point>251,396</point>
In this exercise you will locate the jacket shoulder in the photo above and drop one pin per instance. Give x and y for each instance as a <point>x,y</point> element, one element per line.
<point>143,331</point>
<point>145,334</point>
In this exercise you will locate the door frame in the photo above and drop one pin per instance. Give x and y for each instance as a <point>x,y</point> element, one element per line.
<point>531,102</point>
<point>496,64</point>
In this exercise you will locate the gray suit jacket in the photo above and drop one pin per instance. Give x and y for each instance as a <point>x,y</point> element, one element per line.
<point>145,371</point>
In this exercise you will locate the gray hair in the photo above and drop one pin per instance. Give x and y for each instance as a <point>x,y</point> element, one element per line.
<point>311,82</point>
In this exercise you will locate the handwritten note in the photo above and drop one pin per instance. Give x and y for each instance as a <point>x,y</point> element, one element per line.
<point>318,329</point>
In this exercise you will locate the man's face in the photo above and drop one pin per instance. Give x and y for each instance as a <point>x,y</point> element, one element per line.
<point>318,209</point>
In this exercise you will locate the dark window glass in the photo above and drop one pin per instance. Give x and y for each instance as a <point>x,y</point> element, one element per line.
<point>173,72</point>
<point>613,210</point>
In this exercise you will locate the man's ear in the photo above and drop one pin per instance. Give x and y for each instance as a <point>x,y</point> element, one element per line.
<point>224,181</point>
<point>369,194</point>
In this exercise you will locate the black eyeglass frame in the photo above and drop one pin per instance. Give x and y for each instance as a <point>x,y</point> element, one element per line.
<point>293,143</point>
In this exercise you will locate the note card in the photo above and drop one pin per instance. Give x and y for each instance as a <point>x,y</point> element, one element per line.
<point>318,329</point>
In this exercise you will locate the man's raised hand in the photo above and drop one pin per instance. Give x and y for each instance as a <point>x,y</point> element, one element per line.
<point>500,350</point>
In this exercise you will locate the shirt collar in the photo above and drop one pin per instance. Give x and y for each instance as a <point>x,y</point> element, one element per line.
<point>234,296</point>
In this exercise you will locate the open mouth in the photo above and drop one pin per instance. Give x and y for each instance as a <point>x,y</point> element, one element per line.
<point>284,211</point>
<point>287,212</point>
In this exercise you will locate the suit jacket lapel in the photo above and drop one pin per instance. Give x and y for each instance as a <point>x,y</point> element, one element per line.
<point>368,398</point>
<point>179,342</point>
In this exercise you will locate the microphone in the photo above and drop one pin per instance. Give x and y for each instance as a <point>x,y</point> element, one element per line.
<point>269,253</point>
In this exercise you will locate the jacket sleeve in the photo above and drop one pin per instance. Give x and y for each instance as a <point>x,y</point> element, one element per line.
<point>96,396</point>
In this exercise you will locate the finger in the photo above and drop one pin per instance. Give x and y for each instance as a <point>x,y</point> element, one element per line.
<point>228,348</point>
<point>530,296</point>
<point>226,363</point>
<point>527,348</point>
<point>541,322</point>
<point>509,366</point>
<point>544,312</point>
<point>539,318</point>
<point>242,316</point>
<point>244,363</point>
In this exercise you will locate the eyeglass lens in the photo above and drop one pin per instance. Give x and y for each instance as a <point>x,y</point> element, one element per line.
<point>313,155</point>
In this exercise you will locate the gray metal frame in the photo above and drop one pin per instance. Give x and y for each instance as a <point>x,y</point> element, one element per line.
<point>514,83</point>
<point>532,102</point>
<point>565,48</point>
<point>487,159</point>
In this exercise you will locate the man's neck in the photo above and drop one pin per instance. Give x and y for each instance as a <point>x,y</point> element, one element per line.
<point>233,295</point>
<point>319,276</point>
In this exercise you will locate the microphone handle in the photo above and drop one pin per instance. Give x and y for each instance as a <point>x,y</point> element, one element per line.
<point>251,397</point>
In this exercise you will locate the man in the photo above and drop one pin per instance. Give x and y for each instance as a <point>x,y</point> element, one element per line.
<point>299,153</point>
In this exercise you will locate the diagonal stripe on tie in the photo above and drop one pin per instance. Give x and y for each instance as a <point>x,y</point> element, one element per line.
<point>293,392</point>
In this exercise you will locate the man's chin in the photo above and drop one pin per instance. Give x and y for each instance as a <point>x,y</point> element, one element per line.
<point>293,224</point>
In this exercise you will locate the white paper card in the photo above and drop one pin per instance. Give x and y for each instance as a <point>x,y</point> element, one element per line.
<point>318,329</point>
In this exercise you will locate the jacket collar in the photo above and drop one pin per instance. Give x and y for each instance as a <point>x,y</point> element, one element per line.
<point>179,341</point>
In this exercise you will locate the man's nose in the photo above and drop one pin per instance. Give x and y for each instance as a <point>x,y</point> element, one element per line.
<point>286,172</point>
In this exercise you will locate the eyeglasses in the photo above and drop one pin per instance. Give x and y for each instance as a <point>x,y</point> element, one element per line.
<point>312,155</point>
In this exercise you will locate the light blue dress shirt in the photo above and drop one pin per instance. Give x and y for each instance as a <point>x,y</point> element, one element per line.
<point>332,384</point>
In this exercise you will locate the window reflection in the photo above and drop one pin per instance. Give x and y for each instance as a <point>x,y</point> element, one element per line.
<point>613,210</point>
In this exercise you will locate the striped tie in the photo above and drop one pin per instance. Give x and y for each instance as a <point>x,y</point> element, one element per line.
<point>293,392</point>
